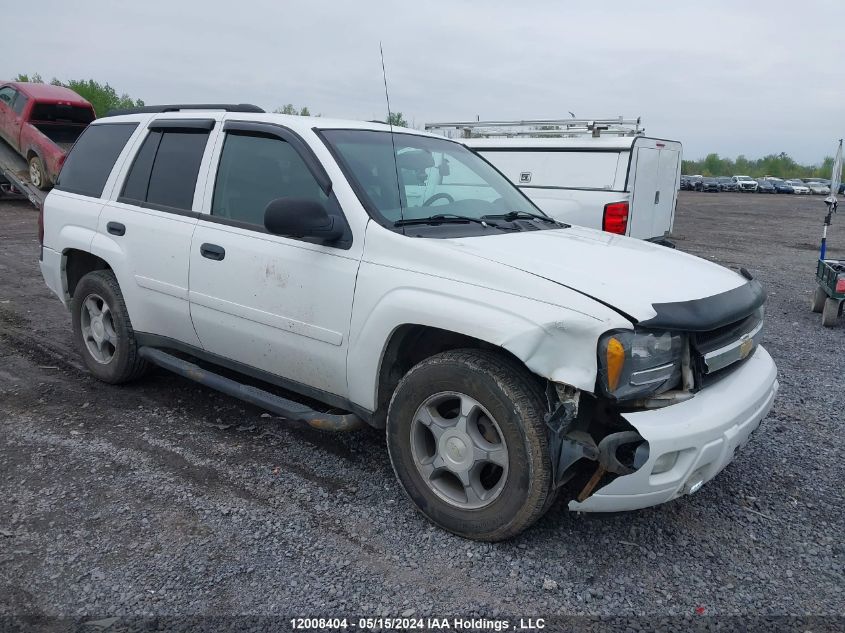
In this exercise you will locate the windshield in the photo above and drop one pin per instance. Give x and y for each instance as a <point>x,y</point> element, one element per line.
<point>437,177</point>
<point>743,178</point>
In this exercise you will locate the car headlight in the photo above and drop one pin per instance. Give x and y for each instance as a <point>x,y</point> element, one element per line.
<point>639,363</point>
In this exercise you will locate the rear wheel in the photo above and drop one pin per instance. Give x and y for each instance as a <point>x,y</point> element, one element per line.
<point>102,330</point>
<point>37,174</point>
<point>468,443</point>
<point>830,312</point>
<point>819,297</point>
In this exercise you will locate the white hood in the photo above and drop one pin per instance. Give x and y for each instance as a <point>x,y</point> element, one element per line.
<point>622,272</point>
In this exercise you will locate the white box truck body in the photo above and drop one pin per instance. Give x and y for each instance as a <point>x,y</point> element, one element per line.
<point>622,184</point>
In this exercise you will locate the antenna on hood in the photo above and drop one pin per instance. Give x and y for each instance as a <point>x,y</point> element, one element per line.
<point>392,142</point>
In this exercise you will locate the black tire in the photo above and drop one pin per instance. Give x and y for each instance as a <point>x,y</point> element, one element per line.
<point>37,174</point>
<point>830,312</point>
<point>125,364</point>
<point>515,400</point>
<point>819,297</point>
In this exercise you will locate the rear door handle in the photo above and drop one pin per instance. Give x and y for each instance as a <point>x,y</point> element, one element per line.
<point>212,251</point>
<point>116,228</point>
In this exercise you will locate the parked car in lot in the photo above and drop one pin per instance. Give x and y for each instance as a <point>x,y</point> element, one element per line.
<point>41,122</point>
<point>817,188</point>
<point>683,183</point>
<point>726,183</point>
<point>401,281</point>
<point>764,186</point>
<point>798,186</point>
<point>745,183</point>
<point>695,183</point>
<point>781,186</point>
<point>709,184</point>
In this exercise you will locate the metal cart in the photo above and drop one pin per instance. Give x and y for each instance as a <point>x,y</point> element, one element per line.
<point>829,295</point>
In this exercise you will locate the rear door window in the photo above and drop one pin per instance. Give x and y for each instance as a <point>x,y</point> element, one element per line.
<point>90,162</point>
<point>164,173</point>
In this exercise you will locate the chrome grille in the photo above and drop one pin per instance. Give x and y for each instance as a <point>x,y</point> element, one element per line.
<point>716,352</point>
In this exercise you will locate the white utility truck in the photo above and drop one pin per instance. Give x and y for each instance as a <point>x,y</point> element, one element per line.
<point>398,280</point>
<point>599,173</point>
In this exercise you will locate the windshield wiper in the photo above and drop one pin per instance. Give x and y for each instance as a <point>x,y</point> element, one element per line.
<point>510,216</point>
<point>444,218</point>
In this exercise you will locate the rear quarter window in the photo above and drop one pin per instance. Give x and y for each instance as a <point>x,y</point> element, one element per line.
<point>20,103</point>
<point>90,162</point>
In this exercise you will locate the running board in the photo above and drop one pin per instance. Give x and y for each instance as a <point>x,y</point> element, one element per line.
<point>288,409</point>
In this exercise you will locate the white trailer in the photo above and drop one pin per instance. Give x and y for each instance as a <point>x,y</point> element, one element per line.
<point>601,173</point>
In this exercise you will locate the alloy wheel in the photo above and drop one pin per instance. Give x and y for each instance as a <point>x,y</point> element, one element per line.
<point>459,450</point>
<point>98,330</point>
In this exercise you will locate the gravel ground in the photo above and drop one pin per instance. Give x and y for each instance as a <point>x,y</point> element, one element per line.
<point>165,498</point>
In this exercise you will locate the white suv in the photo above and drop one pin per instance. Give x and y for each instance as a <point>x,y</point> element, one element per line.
<point>402,281</point>
<point>745,183</point>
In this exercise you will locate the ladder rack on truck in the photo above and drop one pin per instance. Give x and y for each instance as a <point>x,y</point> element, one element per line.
<point>617,126</point>
<point>15,170</point>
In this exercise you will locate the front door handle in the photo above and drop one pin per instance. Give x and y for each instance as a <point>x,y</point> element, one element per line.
<point>116,228</point>
<point>212,251</point>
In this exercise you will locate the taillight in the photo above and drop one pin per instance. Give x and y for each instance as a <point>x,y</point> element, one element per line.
<point>41,224</point>
<point>615,219</point>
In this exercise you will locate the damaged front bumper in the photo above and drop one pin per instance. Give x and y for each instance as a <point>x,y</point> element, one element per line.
<point>704,431</point>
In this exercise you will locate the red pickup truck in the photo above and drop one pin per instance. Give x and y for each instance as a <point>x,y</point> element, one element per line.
<point>41,122</point>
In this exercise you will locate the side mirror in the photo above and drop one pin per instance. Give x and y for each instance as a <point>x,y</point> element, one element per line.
<point>301,218</point>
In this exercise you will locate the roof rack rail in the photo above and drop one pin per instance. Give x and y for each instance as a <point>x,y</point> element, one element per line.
<point>540,127</point>
<point>176,107</point>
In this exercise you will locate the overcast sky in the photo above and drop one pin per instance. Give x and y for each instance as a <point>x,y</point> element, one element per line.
<point>727,77</point>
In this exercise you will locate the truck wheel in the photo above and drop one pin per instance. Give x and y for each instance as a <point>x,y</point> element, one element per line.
<point>468,443</point>
<point>819,297</point>
<point>37,174</point>
<point>830,312</point>
<point>102,330</point>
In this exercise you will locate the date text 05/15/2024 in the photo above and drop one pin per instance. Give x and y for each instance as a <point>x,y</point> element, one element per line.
<point>420,624</point>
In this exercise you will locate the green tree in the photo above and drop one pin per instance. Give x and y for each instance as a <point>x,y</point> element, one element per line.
<point>396,118</point>
<point>779,165</point>
<point>291,109</point>
<point>102,96</point>
<point>35,79</point>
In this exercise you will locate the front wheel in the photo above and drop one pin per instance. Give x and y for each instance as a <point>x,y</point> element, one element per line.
<point>102,330</point>
<point>468,443</point>
<point>37,174</point>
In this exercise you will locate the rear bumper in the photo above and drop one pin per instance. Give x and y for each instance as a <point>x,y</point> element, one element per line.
<point>706,431</point>
<point>51,270</point>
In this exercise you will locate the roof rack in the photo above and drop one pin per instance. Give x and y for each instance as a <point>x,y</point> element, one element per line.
<point>618,126</point>
<point>176,107</point>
